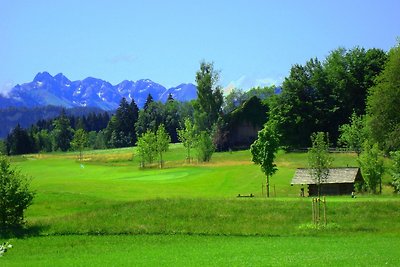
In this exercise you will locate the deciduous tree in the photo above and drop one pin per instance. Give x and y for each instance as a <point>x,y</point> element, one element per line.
<point>146,147</point>
<point>15,196</point>
<point>162,143</point>
<point>264,150</point>
<point>319,159</point>
<point>395,171</point>
<point>354,134</point>
<point>372,167</point>
<point>80,141</point>
<point>204,146</point>
<point>383,104</point>
<point>210,98</point>
<point>187,135</point>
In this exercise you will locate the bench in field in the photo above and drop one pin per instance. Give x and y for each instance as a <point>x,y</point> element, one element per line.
<point>239,195</point>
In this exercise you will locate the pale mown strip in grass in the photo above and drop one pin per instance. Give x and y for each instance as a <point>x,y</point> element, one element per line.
<point>186,250</point>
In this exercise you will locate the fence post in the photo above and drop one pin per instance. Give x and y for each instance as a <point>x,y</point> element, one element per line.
<point>313,210</point>
<point>262,189</point>
<point>324,211</point>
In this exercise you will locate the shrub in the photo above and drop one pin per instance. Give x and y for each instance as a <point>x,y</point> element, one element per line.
<point>205,147</point>
<point>15,196</point>
<point>395,171</point>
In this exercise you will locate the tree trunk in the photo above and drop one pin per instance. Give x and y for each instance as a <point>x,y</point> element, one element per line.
<point>267,185</point>
<point>319,190</point>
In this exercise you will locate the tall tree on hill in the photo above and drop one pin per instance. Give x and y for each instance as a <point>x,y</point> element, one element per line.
<point>264,150</point>
<point>384,103</point>
<point>209,97</point>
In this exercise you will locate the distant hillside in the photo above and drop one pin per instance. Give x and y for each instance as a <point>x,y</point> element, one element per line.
<point>47,90</point>
<point>10,117</point>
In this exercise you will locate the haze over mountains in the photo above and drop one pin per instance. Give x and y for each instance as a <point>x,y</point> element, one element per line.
<point>47,90</point>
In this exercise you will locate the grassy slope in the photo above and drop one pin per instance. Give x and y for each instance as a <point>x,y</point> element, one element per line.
<point>182,198</point>
<point>110,195</point>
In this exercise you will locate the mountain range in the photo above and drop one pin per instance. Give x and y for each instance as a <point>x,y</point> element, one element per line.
<point>47,90</point>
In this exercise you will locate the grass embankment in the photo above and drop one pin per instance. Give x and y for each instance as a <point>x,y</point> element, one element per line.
<point>227,217</point>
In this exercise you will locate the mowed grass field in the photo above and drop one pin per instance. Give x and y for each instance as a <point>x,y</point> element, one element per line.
<point>108,211</point>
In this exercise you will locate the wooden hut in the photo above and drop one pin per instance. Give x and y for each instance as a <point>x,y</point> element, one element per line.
<point>340,181</point>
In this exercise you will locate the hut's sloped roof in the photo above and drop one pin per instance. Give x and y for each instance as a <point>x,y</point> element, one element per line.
<point>336,176</point>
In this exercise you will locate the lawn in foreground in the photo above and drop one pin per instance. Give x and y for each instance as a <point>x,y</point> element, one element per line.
<point>186,250</point>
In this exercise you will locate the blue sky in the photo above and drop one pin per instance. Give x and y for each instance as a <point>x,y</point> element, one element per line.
<point>252,42</point>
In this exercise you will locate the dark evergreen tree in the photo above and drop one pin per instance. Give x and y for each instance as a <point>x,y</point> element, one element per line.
<point>170,98</point>
<point>121,128</point>
<point>133,118</point>
<point>19,142</point>
<point>149,100</point>
<point>172,118</point>
<point>150,118</point>
<point>62,133</point>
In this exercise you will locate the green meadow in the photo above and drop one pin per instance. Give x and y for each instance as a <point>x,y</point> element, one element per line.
<point>108,211</point>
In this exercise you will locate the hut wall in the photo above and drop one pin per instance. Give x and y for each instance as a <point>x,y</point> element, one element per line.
<point>331,189</point>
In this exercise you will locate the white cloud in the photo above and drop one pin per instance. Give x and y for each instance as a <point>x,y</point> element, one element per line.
<point>6,87</point>
<point>246,83</point>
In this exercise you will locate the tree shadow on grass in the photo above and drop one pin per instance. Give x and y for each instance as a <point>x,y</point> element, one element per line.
<point>22,232</point>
